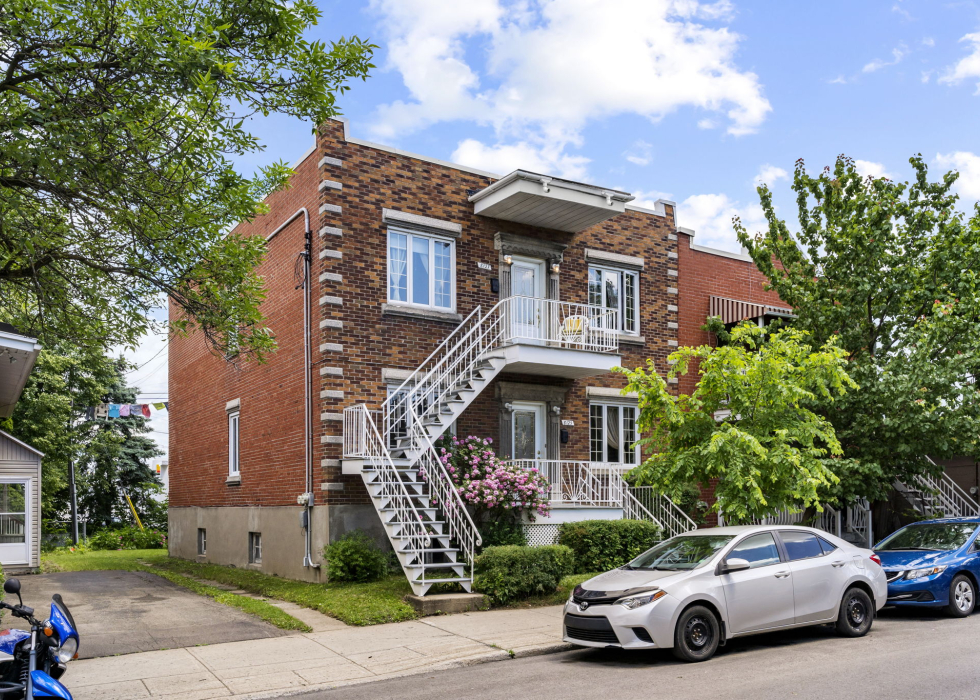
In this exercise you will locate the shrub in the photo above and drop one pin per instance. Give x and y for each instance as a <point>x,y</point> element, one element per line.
<point>129,537</point>
<point>601,545</point>
<point>497,533</point>
<point>509,573</point>
<point>355,558</point>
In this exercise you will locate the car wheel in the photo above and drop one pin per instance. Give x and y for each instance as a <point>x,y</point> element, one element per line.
<point>962,596</point>
<point>856,613</point>
<point>697,634</point>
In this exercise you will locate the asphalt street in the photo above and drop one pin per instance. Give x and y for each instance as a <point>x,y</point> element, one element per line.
<point>907,655</point>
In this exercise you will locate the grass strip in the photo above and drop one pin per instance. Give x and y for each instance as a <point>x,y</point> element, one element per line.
<point>356,604</point>
<point>565,588</point>
<point>149,561</point>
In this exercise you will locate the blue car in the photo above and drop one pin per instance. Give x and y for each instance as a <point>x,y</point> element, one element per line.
<point>933,563</point>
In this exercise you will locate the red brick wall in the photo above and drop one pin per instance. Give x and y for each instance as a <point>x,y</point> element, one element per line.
<point>272,457</point>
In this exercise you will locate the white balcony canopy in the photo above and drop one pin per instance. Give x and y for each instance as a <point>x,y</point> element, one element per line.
<point>549,202</point>
<point>17,356</point>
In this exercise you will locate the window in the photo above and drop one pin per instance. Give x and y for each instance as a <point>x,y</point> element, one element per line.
<point>420,270</point>
<point>202,541</point>
<point>757,550</point>
<point>827,547</point>
<point>800,545</point>
<point>255,548</point>
<point>612,431</point>
<point>616,291</point>
<point>233,444</point>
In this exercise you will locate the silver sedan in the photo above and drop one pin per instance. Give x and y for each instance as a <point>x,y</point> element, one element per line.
<point>697,590</point>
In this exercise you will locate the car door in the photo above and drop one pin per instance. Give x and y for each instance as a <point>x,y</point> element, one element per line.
<point>760,597</point>
<point>818,575</point>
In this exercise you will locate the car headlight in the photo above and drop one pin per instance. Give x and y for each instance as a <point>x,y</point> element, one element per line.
<point>67,651</point>
<point>636,601</point>
<point>922,573</point>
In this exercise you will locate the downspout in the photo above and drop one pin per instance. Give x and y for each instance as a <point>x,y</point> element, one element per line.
<point>307,498</point>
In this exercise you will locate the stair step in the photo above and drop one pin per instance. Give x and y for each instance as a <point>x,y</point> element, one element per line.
<point>465,579</point>
<point>437,565</point>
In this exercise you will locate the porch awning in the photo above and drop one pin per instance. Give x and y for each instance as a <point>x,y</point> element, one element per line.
<point>17,356</point>
<point>733,310</point>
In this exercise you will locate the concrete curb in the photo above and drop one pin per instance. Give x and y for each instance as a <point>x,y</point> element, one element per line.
<point>488,657</point>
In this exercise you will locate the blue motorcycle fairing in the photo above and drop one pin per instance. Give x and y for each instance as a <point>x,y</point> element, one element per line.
<point>61,622</point>
<point>47,687</point>
<point>9,639</point>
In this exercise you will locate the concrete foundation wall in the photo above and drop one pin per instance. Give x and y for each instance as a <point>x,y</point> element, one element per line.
<point>283,540</point>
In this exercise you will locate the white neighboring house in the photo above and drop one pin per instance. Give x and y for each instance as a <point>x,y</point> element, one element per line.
<point>20,464</point>
<point>162,471</point>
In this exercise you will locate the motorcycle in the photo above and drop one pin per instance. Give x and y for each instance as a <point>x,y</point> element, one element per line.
<point>32,662</point>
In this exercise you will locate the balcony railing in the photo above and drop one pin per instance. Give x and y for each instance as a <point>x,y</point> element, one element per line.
<point>584,484</point>
<point>559,324</point>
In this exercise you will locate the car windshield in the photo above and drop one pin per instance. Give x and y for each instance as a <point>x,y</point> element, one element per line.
<point>686,552</point>
<point>930,537</point>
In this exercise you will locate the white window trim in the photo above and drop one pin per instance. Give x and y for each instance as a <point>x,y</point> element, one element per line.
<point>620,405</point>
<point>408,270</point>
<point>234,439</point>
<point>622,272</point>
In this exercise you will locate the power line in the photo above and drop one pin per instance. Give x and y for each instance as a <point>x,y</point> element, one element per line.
<point>135,369</point>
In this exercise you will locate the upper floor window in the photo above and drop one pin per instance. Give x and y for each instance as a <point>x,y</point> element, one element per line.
<point>616,291</point>
<point>233,443</point>
<point>421,270</point>
<point>612,432</point>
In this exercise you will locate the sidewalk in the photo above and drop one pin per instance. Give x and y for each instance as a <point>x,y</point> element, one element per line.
<point>266,668</point>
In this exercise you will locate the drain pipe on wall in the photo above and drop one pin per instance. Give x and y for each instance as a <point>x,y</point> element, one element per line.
<point>305,499</point>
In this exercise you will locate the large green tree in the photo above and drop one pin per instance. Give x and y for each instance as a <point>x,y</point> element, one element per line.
<point>891,270</point>
<point>748,424</point>
<point>119,123</point>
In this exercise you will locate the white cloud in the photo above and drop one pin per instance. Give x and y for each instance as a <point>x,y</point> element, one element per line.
<point>648,198</point>
<point>641,153</point>
<point>867,168</point>
<point>968,67</point>
<point>926,76</point>
<point>710,215</point>
<point>968,165</point>
<point>707,124</point>
<point>906,15</point>
<point>769,174</point>
<point>503,158</point>
<point>839,80</point>
<point>928,41</point>
<point>897,55</point>
<point>539,72</point>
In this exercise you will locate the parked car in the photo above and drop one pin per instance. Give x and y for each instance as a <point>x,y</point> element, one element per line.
<point>933,563</point>
<point>697,590</point>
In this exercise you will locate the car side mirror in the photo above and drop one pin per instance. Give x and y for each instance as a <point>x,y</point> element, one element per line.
<point>732,565</point>
<point>12,586</point>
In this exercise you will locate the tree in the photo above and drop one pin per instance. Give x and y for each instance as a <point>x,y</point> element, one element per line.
<point>890,270</point>
<point>748,424</point>
<point>118,122</point>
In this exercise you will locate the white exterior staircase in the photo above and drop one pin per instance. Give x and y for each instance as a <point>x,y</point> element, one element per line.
<point>428,525</point>
<point>938,497</point>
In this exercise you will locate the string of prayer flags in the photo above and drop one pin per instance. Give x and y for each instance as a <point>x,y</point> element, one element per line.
<point>124,410</point>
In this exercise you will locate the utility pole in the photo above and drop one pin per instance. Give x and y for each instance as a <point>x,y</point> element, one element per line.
<point>71,461</point>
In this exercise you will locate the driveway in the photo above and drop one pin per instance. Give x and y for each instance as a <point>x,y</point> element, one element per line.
<point>121,612</point>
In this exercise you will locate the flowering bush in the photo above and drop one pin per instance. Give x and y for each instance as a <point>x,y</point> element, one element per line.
<point>487,484</point>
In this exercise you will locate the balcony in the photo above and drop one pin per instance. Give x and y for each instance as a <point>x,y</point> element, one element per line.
<point>579,484</point>
<point>557,338</point>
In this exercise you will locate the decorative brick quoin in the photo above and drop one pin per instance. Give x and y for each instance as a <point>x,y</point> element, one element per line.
<point>404,248</point>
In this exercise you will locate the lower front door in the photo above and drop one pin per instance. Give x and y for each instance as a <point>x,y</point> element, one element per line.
<point>15,498</point>
<point>528,427</point>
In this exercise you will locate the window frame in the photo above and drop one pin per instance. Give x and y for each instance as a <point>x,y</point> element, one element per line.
<point>254,547</point>
<point>789,557</point>
<point>234,443</point>
<point>621,311</point>
<point>605,405</point>
<point>775,540</point>
<point>410,235</point>
<point>202,541</point>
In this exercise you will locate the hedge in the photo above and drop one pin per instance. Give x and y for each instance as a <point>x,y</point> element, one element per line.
<point>512,572</point>
<point>601,545</point>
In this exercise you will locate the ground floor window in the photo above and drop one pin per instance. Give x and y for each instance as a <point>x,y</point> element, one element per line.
<point>255,548</point>
<point>202,541</point>
<point>612,432</point>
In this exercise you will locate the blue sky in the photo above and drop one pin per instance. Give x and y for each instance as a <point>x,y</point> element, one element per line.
<point>662,98</point>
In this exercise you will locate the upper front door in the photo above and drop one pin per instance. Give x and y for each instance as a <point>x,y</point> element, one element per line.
<point>527,283</point>
<point>15,499</point>
<point>527,423</point>
<point>760,597</point>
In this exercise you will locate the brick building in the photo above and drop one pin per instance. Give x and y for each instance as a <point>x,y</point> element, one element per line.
<point>441,297</point>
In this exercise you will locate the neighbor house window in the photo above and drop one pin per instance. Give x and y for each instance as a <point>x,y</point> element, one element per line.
<point>202,541</point>
<point>233,443</point>
<point>614,296</point>
<point>612,432</point>
<point>255,548</point>
<point>421,270</point>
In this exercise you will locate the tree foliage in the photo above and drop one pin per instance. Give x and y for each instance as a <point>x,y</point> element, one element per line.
<point>890,270</point>
<point>118,123</point>
<point>748,424</point>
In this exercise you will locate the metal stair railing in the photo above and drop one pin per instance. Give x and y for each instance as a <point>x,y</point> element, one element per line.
<point>859,521</point>
<point>953,496</point>
<point>674,520</point>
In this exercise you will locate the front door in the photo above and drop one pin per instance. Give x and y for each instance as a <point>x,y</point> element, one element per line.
<point>527,310</point>
<point>15,498</point>
<point>529,432</point>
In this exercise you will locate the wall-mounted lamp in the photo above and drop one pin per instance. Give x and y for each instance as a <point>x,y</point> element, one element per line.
<point>509,406</point>
<point>555,268</point>
<point>508,260</point>
<point>556,410</point>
